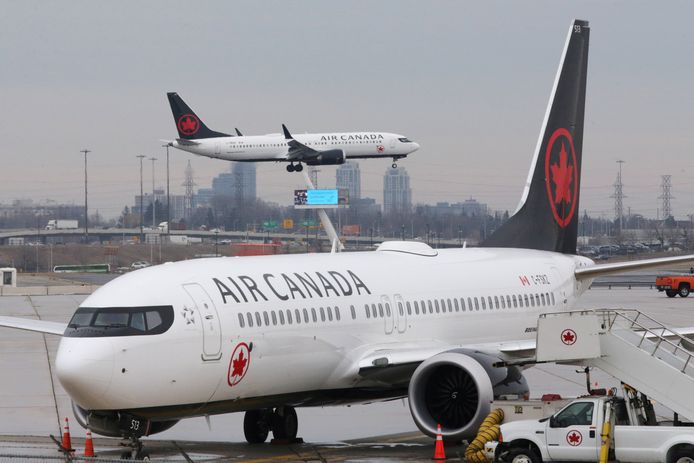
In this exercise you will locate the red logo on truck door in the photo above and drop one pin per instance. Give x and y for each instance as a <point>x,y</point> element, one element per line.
<point>574,438</point>
<point>239,363</point>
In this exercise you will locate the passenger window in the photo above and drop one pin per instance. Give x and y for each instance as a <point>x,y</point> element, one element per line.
<point>542,298</point>
<point>330,314</point>
<point>462,304</point>
<point>305,316</point>
<point>281,315</point>
<point>289,316</point>
<point>257,319</point>
<point>508,301</point>
<point>368,312</point>
<point>477,304</point>
<point>241,321</point>
<point>401,310</point>
<point>457,307</point>
<point>489,300</point>
<point>374,311</point>
<point>351,309</point>
<point>267,319</point>
<point>484,306</point>
<point>416,308</point>
<point>450,306</point>
<point>274,318</point>
<point>515,302</point>
<point>137,321</point>
<point>436,304</point>
<point>313,315</point>
<point>387,309</point>
<point>526,301</point>
<point>503,303</point>
<point>322,314</point>
<point>297,315</point>
<point>431,306</point>
<point>409,308</point>
<point>249,317</point>
<point>337,313</point>
<point>496,302</point>
<point>380,310</point>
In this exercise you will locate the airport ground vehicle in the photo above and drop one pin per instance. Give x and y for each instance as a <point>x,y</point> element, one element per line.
<point>576,433</point>
<point>675,284</point>
<point>61,224</point>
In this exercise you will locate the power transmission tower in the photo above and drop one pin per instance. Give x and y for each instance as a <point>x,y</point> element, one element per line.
<point>619,196</point>
<point>189,183</point>
<point>666,195</point>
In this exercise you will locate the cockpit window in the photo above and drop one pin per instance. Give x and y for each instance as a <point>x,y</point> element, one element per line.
<point>88,322</point>
<point>405,140</point>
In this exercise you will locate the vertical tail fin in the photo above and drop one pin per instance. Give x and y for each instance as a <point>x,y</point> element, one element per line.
<point>188,124</point>
<point>547,216</point>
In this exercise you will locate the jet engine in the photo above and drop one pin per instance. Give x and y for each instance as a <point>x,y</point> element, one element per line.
<point>455,388</point>
<point>118,424</point>
<point>327,158</point>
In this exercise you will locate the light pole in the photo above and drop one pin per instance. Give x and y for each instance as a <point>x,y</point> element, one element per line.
<point>142,234</point>
<point>168,193</point>
<point>154,225</point>
<point>86,215</point>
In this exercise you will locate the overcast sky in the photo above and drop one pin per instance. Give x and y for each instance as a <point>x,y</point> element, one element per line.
<point>469,81</point>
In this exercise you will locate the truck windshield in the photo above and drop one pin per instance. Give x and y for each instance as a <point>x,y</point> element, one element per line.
<point>89,322</point>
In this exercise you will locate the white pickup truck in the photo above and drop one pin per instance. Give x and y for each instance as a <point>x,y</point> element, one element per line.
<point>574,434</point>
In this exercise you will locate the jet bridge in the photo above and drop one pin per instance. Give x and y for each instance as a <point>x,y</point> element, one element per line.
<point>627,344</point>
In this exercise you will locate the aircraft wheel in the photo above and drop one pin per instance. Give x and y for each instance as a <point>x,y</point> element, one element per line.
<point>298,167</point>
<point>285,423</point>
<point>255,426</point>
<point>290,167</point>
<point>670,292</point>
<point>684,291</point>
<point>394,165</point>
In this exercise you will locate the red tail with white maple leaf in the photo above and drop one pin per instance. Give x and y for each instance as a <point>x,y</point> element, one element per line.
<point>547,216</point>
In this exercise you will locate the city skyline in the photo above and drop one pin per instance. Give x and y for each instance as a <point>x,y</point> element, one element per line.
<point>466,82</point>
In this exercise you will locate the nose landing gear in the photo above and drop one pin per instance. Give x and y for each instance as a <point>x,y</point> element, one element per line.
<point>136,452</point>
<point>282,421</point>
<point>395,163</point>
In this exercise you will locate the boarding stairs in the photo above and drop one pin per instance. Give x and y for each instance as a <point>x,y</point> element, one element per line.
<point>627,344</point>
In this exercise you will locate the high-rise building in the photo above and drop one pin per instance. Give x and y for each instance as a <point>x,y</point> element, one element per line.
<point>397,194</point>
<point>348,177</point>
<point>239,182</point>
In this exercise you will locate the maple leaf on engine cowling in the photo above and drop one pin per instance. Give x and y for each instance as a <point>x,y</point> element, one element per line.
<point>562,176</point>
<point>238,365</point>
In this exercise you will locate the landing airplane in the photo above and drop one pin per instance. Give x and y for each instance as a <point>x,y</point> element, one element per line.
<point>315,149</point>
<point>265,335</point>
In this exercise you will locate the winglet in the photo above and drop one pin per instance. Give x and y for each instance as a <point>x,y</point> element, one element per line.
<point>238,132</point>
<point>287,135</point>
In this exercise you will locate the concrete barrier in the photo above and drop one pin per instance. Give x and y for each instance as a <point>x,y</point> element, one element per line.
<point>47,290</point>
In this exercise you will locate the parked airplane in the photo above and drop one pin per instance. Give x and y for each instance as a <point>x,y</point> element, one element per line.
<point>312,149</point>
<point>265,335</point>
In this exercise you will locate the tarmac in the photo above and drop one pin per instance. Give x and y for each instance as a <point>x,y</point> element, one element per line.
<point>33,404</point>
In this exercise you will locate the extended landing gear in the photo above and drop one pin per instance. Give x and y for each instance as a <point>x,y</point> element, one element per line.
<point>295,168</point>
<point>395,163</point>
<point>136,451</point>
<point>282,421</point>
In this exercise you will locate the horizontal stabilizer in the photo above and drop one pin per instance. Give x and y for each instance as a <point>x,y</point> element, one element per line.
<point>31,324</point>
<point>621,267</point>
<point>184,142</point>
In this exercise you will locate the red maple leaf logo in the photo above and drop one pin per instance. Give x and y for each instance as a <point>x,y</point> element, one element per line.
<point>574,438</point>
<point>562,175</point>
<point>569,337</point>
<point>188,124</point>
<point>238,365</point>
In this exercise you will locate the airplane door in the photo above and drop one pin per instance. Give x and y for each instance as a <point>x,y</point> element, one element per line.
<point>400,313</point>
<point>211,327</point>
<point>217,148</point>
<point>388,314</point>
<point>392,143</point>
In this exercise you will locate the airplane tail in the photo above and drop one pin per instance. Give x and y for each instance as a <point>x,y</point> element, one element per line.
<point>547,216</point>
<point>188,124</point>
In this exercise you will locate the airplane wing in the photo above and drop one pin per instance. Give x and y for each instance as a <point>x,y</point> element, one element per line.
<point>621,267</point>
<point>297,150</point>
<point>31,324</point>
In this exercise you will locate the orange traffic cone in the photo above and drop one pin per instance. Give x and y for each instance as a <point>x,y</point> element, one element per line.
<point>67,442</point>
<point>439,453</point>
<point>89,445</point>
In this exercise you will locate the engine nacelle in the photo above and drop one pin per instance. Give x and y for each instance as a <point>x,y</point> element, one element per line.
<point>118,424</point>
<point>455,388</point>
<point>328,158</point>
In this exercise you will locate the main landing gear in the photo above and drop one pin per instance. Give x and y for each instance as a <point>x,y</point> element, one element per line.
<point>282,421</point>
<point>295,168</point>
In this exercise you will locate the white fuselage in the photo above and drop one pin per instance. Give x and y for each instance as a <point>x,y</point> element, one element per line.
<point>190,364</point>
<point>274,147</point>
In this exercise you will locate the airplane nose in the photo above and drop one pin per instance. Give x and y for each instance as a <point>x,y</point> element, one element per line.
<point>416,146</point>
<point>84,367</point>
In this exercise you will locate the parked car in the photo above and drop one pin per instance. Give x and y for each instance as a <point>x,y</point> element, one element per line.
<point>139,264</point>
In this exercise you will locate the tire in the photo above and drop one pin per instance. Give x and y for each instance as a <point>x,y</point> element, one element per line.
<point>684,290</point>
<point>670,292</point>
<point>522,455</point>
<point>255,427</point>
<point>682,456</point>
<point>285,423</point>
